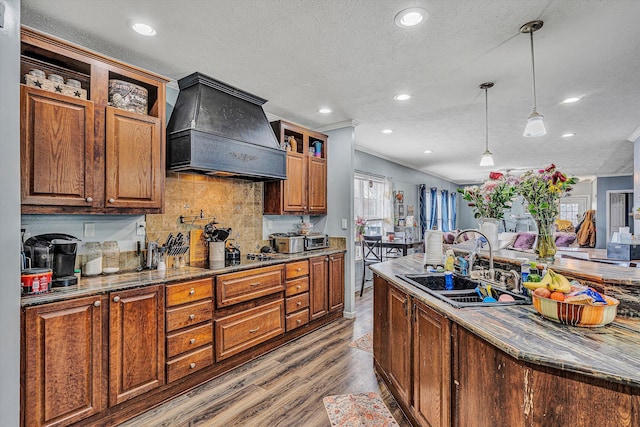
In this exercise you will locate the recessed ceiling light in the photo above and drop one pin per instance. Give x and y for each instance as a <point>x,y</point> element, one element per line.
<point>571,100</point>
<point>325,110</point>
<point>428,151</point>
<point>143,29</point>
<point>387,131</point>
<point>568,135</point>
<point>411,17</point>
<point>402,97</point>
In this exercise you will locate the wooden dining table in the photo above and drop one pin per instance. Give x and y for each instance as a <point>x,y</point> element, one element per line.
<point>402,244</point>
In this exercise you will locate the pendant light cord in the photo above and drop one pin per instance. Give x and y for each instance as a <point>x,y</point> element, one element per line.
<point>486,117</point>
<point>533,73</point>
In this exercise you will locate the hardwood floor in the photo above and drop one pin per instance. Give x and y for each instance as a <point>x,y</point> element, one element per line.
<point>284,387</point>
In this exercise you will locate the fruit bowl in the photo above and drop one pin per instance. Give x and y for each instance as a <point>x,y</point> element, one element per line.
<point>574,314</point>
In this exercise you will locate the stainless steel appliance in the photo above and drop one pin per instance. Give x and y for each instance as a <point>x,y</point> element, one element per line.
<point>288,243</point>
<point>316,241</point>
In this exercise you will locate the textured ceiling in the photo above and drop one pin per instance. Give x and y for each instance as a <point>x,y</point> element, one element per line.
<point>349,55</point>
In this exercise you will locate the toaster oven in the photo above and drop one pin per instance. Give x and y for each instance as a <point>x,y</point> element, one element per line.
<point>316,241</point>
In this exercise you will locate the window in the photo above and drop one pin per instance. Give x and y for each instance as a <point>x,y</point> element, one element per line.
<point>572,208</point>
<point>368,202</point>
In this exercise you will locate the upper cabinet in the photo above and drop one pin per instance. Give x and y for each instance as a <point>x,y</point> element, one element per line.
<point>82,150</point>
<point>305,189</point>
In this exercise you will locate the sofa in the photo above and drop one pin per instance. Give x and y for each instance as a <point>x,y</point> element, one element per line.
<point>521,241</point>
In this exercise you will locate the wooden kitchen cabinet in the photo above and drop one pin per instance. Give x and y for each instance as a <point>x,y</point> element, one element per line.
<point>305,189</point>
<point>318,287</point>
<point>57,138</point>
<point>381,324</point>
<point>63,362</point>
<point>136,342</point>
<point>296,294</point>
<point>336,282</point>
<point>83,156</point>
<point>399,318</point>
<point>431,367</point>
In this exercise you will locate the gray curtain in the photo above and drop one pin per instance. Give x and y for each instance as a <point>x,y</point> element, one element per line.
<point>445,210</point>
<point>454,210</point>
<point>433,215</point>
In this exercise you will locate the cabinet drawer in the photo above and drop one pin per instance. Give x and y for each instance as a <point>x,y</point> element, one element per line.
<point>182,293</point>
<point>195,337</point>
<point>297,269</point>
<point>297,286</point>
<point>240,331</point>
<point>233,288</point>
<point>297,303</point>
<point>296,320</point>
<point>189,363</point>
<point>190,315</point>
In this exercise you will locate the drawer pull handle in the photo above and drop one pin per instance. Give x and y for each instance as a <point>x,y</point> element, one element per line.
<point>192,341</point>
<point>112,200</point>
<point>96,304</point>
<point>253,331</point>
<point>254,284</point>
<point>298,287</point>
<point>192,365</point>
<point>299,269</point>
<point>298,321</point>
<point>116,299</point>
<point>192,316</point>
<point>89,199</point>
<point>192,291</point>
<point>299,303</point>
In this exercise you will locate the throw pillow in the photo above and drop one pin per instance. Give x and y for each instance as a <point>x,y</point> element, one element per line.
<point>564,240</point>
<point>524,241</point>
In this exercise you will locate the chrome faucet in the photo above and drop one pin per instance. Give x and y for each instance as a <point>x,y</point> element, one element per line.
<point>472,254</point>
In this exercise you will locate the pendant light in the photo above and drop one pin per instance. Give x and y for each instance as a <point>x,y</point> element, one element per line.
<point>487,156</point>
<point>535,125</point>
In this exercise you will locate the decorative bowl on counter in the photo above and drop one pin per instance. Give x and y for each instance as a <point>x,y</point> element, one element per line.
<point>574,314</point>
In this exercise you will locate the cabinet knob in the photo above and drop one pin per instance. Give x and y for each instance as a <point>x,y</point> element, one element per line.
<point>192,316</point>
<point>116,299</point>
<point>298,287</point>
<point>192,341</point>
<point>299,303</point>
<point>96,304</point>
<point>192,365</point>
<point>254,284</point>
<point>192,291</point>
<point>253,331</point>
<point>299,269</point>
<point>89,199</point>
<point>298,321</point>
<point>112,200</point>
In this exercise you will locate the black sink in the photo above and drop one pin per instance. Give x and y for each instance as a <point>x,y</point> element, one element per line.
<point>463,293</point>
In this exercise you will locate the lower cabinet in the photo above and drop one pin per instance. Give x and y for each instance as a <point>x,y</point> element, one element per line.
<point>241,331</point>
<point>62,359</point>
<point>399,342</point>
<point>336,282</point>
<point>318,290</point>
<point>136,342</point>
<point>431,366</point>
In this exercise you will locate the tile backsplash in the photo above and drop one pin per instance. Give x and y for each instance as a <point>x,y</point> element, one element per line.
<point>234,203</point>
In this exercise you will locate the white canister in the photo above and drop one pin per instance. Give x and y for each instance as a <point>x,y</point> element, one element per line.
<point>216,252</point>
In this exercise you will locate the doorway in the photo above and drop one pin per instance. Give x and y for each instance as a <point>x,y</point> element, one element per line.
<point>619,211</point>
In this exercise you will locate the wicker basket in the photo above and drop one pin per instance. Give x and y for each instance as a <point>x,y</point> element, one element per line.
<point>127,96</point>
<point>577,314</point>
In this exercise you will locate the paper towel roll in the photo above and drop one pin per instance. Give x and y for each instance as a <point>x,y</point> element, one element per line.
<point>433,247</point>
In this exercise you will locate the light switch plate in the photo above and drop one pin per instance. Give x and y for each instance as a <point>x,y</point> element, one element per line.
<point>269,225</point>
<point>344,223</point>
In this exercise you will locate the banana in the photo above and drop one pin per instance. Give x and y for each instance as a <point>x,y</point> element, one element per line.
<point>544,283</point>
<point>559,283</point>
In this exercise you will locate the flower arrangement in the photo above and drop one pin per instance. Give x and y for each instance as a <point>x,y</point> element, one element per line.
<point>543,189</point>
<point>490,199</point>
<point>361,224</point>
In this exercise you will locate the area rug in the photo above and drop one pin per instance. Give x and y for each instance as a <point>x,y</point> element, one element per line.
<point>358,410</point>
<point>363,343</point>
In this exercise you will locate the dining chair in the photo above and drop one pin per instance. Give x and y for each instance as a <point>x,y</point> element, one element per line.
<point>371,254</point>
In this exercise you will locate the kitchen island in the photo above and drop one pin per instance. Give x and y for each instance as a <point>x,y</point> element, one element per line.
<point>503,365</point>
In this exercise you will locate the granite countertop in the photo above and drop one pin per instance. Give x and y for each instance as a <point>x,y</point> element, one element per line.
<point>609,352</point>
<point>115,282</point>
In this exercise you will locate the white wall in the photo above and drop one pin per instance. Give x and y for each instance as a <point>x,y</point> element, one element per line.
<point>10,215</point>
<point>340,163</point>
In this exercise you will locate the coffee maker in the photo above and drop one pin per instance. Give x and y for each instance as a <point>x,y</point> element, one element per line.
<point>56,251</point>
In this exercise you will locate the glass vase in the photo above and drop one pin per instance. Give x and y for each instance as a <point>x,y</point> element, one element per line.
<point>546,243</point>
<point>489,227</point>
